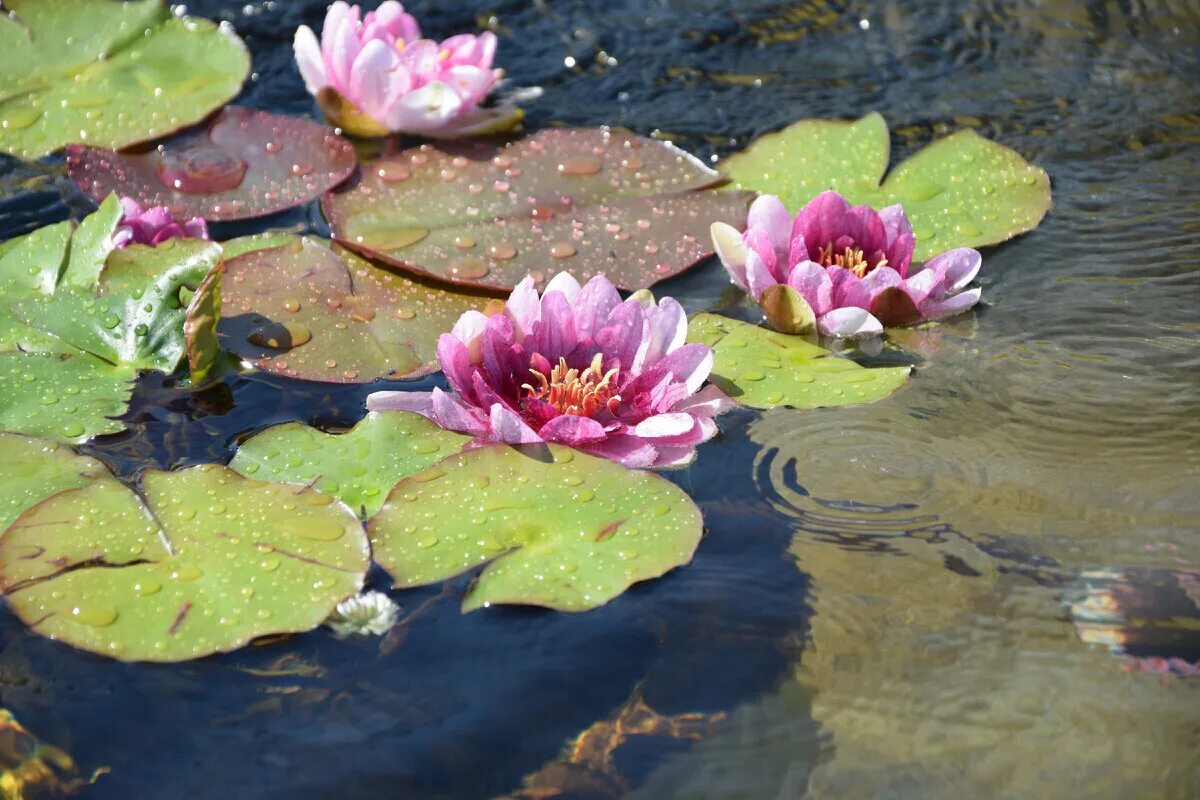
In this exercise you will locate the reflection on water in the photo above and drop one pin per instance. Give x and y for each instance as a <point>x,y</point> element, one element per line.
<point>959,591</point>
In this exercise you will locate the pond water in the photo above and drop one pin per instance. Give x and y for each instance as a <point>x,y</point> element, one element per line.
<point>881,604</point>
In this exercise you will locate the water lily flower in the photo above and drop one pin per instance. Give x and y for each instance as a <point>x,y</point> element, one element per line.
<point>576,366</point>
<point>375,75</point>
<point>153,225</point>
<point>370,613</point>
<point>848,265</point>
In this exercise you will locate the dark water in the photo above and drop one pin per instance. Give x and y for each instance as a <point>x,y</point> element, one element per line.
<point>877,609</point>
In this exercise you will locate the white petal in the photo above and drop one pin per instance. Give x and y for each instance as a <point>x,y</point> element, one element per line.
<point>309,59</point>
<point>731,249</point>
<point>850,322</point>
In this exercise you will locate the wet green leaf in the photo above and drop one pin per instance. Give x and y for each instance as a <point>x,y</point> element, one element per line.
<point>70,397</point>
<point>360,466</point>
<point>90,245</point>
<point>233,248</point>
<point>763,369</point>
<point>135,317</point>
<point>584,201</point>
<point>962,190</point>
<point>307,311</point>
<point>30,267</point>
<point>108,74</point>
<point>560,529</point>
<point>202,562</point>
<point>33,469</point>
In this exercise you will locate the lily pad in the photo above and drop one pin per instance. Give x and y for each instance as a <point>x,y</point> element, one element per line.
<point>583,201</point>
<point>560,529</point>
<point>760,368</point>
<point>959,191</point>
<point>241,163</point>
<point>109,74</point>
<point>69,397</point>
<point>33,469</point>
<point>202,562</point>
<point>307,311</point>
<point>359,466</point>
<point>135,318</point>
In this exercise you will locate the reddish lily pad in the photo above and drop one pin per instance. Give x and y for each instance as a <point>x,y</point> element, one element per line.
<point>583,201</point>
<point>556,528</point>
<point>242,163</point>
<point>108,73</point>
<point>200,561</point>
<point>307,311</point>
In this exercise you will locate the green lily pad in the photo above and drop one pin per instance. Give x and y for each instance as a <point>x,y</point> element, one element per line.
<point>108,74</point>
<point>359,466</point>
<point>307,311</point>
<point>69,397</point>
<point>561,529</point>
<point>135,318</point>
<point>959,191</point>
<point>583,201</point>
<point>33,469</point>
<point>202,562</point>
<point>760,368</point>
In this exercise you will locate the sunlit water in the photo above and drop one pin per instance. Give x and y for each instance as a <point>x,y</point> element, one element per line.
<point>879,608</point>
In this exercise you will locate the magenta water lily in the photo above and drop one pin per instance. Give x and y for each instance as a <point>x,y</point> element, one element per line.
<point>576,366</point>
<point>374,74</point>
<point>849,267</point>
<point>153,225</point>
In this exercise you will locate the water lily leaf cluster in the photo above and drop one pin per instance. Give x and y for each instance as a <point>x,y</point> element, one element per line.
<point>110,74</point>
<point>582,201</point>
<point>760,368</point>
<point>962,190</point>
<point>306,310</point>
<point>201,561</point>
<point>241,163</point>
<point>79,319</point>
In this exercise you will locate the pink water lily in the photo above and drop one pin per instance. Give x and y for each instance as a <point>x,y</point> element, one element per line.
<point>153,225</point>
<point>849,264</point>
<point>576,366</point>
<point>375,75</point>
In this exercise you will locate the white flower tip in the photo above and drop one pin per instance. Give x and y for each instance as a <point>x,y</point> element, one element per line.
<point>367,614</point>
<point>729,245</point>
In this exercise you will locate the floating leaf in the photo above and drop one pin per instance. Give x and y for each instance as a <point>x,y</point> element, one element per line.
<point>763,369</point>
<point>306,311</point>
<point>63,396</point>
<point>358,467</point>
<point>33,469</point>
<point>241,163</point>
<point>583,201</point>
<point>204,561</point>
<point>960,191</point>
<point>233,248</point>
<point>109,74</point>
<point>135,319</point>
<point>561,529</point>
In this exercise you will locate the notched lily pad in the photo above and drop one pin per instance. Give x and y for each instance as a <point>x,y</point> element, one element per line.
<point>109,74</point>
<point>70,397</point>
<point>583,201</point>
<point>307,311</point>
<point>560,529</point>
<point>961,190</point>
<point>764,369</point>
<point>360,466</point>
<point>33,469</point>
<point>204,561</point>
<point>241,163</point>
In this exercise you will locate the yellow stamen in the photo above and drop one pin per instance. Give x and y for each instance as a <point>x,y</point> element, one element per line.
<point>444,55</point>
<point>401,43</point>
<point>852,259</point>
<point>573,392</point>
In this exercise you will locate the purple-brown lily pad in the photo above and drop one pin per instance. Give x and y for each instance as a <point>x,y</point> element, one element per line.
<point>307,311</point>
<point>241,163</point>
<point>586,201</point>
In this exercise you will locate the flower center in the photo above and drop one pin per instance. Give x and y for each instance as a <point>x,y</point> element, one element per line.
<point>852,259</point>
<point>574,392</point>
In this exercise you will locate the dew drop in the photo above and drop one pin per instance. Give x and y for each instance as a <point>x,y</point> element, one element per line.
<point>562,250</point>
<point>98,616</point>
<point>581,165</point>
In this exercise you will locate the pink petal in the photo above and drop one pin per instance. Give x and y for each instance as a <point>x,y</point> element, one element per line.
<point>673,457</point>
<point>665,426</point>
<point>847,289</point>
<point>850,323</point>
<point>622,333</point>
<point>565,284</point>
<point>572,430</point>
<point>812,282</point>
<point>457,360</point>
<point>879,279</point>
<point>508,427</point>
<point>961,265</point>
<point>769,215</point>
<point>341,45</point>
<point>453,414</point>
<point>370,78</point>
<point>819,222</point>
<point>472,84</point>
<point>799,251</point>
<point>418,402</point>
<point>523,306</point>
<point>629,451</point>
<point>923,283</point>
<point>596,301</point>
<point>427,109</point>
<point>469,327</point>
<point>308,58</point>
<point>554,334</point>
<point>758,277</point>
<point>709,402</point>
<point>667,332</point>
<point>948,307</point>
